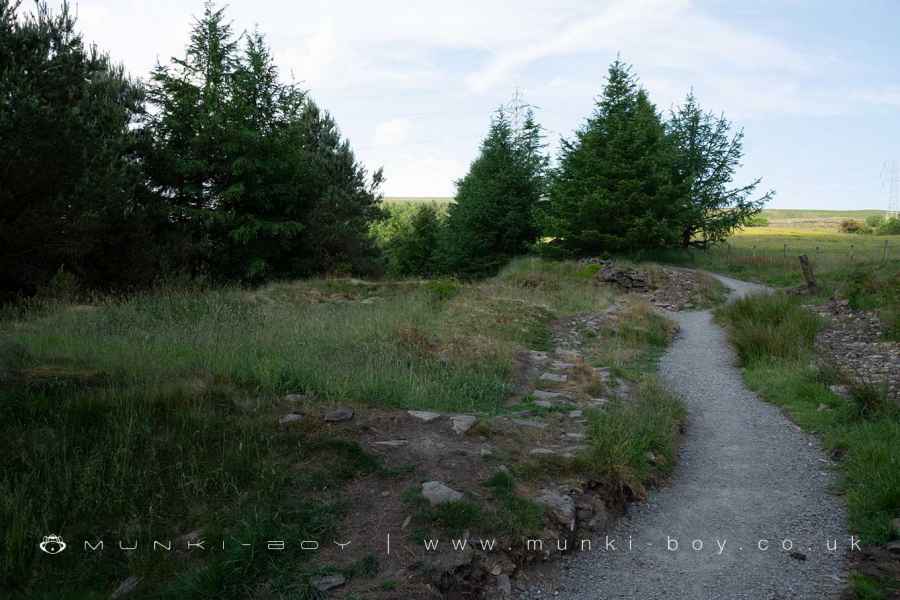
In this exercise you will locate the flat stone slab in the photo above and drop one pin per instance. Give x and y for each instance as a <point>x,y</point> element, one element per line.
<point>542,452</point>
<point>437,492</point>
<point>543,403</point>
<point>391,443</point>
<point>328,582</point>
<point>545,395</point>
<point>575,436</point>
<point>339,414</point>
<point>462,423</point>
<point>424,415</point>
<point>290,418</point>
<point>554,377</point>
<point>558,364</point>
<point>576,414</point>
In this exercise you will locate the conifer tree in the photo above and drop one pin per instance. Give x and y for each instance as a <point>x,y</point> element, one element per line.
<point>492,218</point>
<point>707,155</point>
<point>615,187</point>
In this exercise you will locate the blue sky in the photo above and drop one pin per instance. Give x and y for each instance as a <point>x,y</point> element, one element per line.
<point>815,85</point>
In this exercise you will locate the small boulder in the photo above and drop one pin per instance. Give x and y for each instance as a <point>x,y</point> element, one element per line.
<point>328,582</point>
<point>554,377</point>
<point>339,414</point>
<point>545,395</point>
<point>542,452</point>
<point>543,403</point>
<point>503,585</point>
<point>438,493</point>
<point>391,443</point>
<point>560,507</point>
<point>290,418</point>
<point>296,398</point>
<point>424,415</point>
<point>462,423</point>
<point>576,414</point>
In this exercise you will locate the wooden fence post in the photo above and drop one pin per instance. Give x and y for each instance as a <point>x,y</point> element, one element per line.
<point>884,253</point>
<point>808,275</point>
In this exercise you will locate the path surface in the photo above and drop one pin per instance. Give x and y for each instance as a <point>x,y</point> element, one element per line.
<point>745,474</point>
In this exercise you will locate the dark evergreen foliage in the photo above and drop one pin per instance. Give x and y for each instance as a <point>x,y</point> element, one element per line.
<point>616,187</point>
<point>708,154</point>
<point>71,195</point>
<point>492,218</point>
<point>255,172</point>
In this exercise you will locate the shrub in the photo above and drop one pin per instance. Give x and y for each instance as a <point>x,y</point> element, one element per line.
<point>410,242</point>
<point>850,226</point>
<point>874,221</point>
<point>890,226</point>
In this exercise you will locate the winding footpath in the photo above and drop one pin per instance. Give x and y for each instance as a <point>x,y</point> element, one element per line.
<point>747,479</point>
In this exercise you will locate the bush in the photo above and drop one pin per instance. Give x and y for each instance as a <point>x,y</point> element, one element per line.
<point>410,239</point>
<point>890,226</point>
<point>851,226</point>
<point>874,221</point>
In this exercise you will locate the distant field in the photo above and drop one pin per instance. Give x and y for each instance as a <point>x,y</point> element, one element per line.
<point>417,199</point>
<point>814,219</point>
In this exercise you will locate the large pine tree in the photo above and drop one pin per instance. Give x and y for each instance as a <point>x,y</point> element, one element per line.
<point>71,197</point>
<point>616,186</point>
<point>254,170</point>
<point>492,218</point>
<point>708,153</point>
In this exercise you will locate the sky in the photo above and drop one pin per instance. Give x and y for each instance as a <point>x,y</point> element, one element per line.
<point>815,85</point>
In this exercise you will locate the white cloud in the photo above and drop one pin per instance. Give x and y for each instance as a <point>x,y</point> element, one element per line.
<point>394,132</point>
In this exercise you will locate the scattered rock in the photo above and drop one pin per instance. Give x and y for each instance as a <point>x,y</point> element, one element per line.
<point>575,436</point>
<point>840,390</point>
<point>576,414</point>
<point>437,493</point>
<point>126,587</point>
<point>424,415</point>
<point>290,418</point>
<point>328,582</point>
<point>542,452</point>
<point>543,403</point>
<point>560,507</point>
<point>822,408</point>
<point>296,398</point>
<point>558,364</point>
<point>339,414</point>
<point>629,279</point>
<point>486,451</point>
<point>554,377</point>
<point>545,395</point>
<point>462,423</point>
<point>651,458</point>
<point>391,443</point>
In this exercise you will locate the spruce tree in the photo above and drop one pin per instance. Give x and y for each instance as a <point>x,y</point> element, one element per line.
<point>707,155</point>
<point>254,170</point>
<point>492,218</point>
<point>615,187</point>
<point>71,195</point>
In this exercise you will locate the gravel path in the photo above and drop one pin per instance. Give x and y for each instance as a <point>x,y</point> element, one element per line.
<point>746,474</point>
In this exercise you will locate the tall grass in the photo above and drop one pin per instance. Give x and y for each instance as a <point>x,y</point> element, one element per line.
<point>148,416</point>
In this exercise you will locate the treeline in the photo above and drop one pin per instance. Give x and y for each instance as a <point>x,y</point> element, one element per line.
<point>214,167</point>
<point>628,180</point>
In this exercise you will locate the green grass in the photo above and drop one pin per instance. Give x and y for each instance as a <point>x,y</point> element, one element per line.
<point>151,415</point>
<point>633,443</point>
<point>774,338</point>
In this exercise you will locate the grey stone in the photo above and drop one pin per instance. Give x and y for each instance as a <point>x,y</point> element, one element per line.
<point>438,493</point>
<point>328,582</point>
<point>542,452</point>
<point>339,414</point>
<point>576,414</point>
<point>528,423</point>
<point>391,443</point>
<point>296,398</point>
<point>424,415</point>
<point>462,423</point>
<point>545,395</point>
<point>486,451</point>
<point>290,418</point>
<point>560,507</point>
<point>575,436</point>
<point>558,364</point>
<point>543,403</point>
<point>126,587</point>
<point>554,377</point>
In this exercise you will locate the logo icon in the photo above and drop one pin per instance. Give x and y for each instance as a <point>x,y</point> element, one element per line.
<point>52,544</point>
